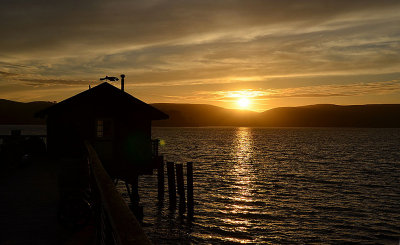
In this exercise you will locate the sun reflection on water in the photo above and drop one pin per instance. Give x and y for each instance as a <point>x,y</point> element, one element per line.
<point>240,181</point>
<point>241,169</point>
<point>243,144</point>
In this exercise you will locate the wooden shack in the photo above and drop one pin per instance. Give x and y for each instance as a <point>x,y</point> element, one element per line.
<point>117,124</point>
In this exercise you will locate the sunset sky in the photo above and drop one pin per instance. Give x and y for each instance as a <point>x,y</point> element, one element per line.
<point>273,53</point>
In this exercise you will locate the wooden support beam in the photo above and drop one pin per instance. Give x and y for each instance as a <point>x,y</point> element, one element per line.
<point>135,190</point>
<point>128,189</point>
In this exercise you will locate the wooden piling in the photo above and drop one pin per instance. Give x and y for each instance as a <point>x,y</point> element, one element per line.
<point>135,198</point>
<point>179,180</point>
<point>135,190</point>
<point>189,179</point>
<point>181,188</point>
<point>160,177</point>
<point>171,184</point>
<point>128,189</point>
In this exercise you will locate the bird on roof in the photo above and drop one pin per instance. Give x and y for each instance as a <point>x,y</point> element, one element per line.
<point>111,79</point>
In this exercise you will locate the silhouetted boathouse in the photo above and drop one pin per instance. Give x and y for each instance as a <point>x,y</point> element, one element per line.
<point>117,124</point>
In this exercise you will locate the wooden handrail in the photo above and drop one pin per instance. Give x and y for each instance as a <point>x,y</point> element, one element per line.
<point>126,228</point>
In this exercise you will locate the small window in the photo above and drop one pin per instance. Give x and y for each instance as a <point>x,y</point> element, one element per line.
<point>104,128</point>
<point>100,129</point>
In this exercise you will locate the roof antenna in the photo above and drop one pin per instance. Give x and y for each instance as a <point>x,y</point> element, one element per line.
<point>122,82</point>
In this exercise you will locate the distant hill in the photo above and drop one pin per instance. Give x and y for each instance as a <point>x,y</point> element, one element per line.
<point>194,115</point>
<point>12,112</point>
<point>326,115</point>
<point>203,115</point>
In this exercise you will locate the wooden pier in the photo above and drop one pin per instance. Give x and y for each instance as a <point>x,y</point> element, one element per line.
<point>35,207</point>
<point>30,202</point>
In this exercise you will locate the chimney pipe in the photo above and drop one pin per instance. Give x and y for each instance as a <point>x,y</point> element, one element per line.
<point>122,82</point>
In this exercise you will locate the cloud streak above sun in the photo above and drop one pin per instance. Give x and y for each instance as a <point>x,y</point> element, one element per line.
<point>316,91</point>
<point>171,49</point>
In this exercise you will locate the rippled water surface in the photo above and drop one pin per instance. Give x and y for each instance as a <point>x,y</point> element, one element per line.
<point>281,185</point>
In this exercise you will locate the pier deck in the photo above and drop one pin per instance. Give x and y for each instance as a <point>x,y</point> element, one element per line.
<point>28,205</point>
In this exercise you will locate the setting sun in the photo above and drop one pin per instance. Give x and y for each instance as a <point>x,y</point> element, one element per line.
<point>243,102</point>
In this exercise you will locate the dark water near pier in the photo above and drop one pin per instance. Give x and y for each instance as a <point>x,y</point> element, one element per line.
<point>281,185</point>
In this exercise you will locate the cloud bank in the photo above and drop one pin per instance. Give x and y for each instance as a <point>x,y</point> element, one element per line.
<point>181,45</point>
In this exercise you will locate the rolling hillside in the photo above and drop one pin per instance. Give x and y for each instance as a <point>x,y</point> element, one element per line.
<point>195,115</point>
<point>376,115</point>
<point>12,112</point>
<point>203,115</point>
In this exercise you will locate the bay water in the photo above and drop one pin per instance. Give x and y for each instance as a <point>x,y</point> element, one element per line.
<point>277,185</point>
<point>280,186</point>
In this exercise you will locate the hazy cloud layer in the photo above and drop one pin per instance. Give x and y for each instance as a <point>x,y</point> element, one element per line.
<point>47,82</point>
<point>356,89</point>
<point>177,44</point>
<point>317,91</point>
<point>6,74</point>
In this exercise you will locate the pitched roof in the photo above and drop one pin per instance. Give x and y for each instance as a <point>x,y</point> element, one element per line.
<point>104,94</point>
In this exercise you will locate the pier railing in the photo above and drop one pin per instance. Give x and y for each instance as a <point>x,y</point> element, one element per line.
<point>115,222</point>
